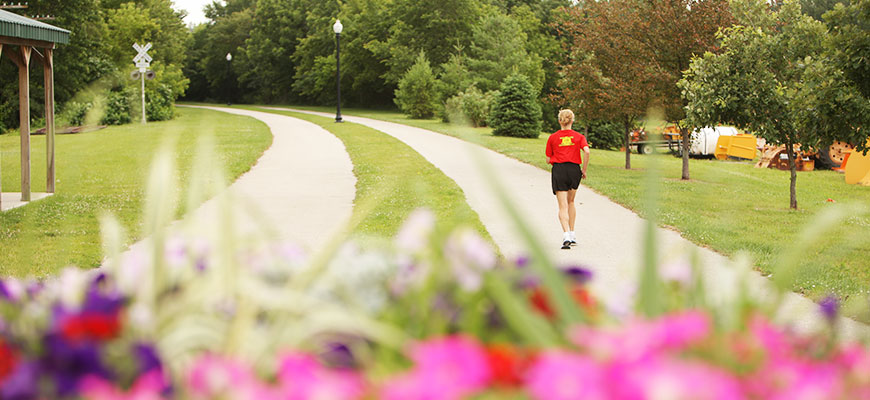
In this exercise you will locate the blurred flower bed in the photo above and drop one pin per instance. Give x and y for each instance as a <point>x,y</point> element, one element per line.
<point>426,315</point>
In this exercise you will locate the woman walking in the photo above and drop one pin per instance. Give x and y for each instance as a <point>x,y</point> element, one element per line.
<point>563,152</point>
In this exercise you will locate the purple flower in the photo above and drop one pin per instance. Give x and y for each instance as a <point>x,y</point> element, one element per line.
<point>578,274</point>
<point>11,289</point>
<point>829,306</point>
<point>414,233</point>
<point>522,261</point>
<point>148,358</point>
<point>22,383</point>
<point>338,355</point>
<point>67,362</point>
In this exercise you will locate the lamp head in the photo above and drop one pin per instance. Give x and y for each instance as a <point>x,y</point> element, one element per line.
<point>337,27</point>
<point>229,57</point>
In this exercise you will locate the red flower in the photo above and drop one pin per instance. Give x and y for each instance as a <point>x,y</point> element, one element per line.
<point>507,363</point>
<point>8,359</point>
<point>95,326</point>
<point>581,296</point>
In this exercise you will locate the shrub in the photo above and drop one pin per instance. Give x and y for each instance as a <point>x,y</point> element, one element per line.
<point>74,112</point>
<point>516,111</point>
<point>159,103</point>
<point>605,135</point>
<point>471,106</point>
<point>418,90</point>
<point>118,108</point>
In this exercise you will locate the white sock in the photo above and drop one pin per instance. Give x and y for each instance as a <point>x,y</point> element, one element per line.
<point>566,236</point>
<point>572,236</point>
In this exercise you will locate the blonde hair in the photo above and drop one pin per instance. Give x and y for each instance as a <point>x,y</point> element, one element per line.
<point>566,117</point>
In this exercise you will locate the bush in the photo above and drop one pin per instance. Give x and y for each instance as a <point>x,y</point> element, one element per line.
<point>471,106</point>
<point>516,111</point>
<point>118,107</point>
<point>418,90</point>
<point>74,112</point>
<point>605,135</point>
<point>159,103</point>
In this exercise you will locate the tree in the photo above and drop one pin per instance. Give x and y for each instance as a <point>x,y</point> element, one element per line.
<point>849,43</point>
<point>773,79</point>
<point>606,73</point>
<point>435,27</point>
<point>417,94</point>
<point>515,110</point>
<point>77,64</point>
<point>674,31</point>
<point>498,50</point>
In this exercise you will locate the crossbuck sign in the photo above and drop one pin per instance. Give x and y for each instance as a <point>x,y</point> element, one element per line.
<point>142,59</point>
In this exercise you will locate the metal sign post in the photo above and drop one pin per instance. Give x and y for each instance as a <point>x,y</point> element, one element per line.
<point>143,61</point>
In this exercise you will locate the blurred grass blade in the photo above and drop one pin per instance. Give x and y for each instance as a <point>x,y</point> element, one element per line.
<point>533,328</point>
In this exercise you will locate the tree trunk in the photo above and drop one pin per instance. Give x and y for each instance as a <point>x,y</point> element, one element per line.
<point>627,142</point>
<point>789,149</point>
<point>685,133</point>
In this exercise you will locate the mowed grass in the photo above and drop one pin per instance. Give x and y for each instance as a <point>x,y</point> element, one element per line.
<point>393,180</point>
<point>727,206</point>
<point>105,171</point>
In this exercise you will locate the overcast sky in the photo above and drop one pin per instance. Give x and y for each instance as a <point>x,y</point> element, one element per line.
<point>193,8</point>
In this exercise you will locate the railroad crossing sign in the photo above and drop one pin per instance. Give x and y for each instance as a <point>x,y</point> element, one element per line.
<point>142,59</point>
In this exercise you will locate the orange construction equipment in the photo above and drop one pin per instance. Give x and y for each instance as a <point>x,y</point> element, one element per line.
<point>858,168</point>
<point>740,145</point>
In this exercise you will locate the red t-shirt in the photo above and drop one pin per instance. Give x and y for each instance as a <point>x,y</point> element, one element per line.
<point>565,146</point>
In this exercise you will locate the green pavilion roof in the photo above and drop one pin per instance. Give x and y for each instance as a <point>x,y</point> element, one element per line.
<point>14,25</point>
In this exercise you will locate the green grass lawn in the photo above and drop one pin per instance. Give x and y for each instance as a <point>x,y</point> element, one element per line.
<point>105,171</point>
<point>393,180</point>
<point>727,206</point>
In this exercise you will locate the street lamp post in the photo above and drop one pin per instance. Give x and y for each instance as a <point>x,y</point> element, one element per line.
<point>337,29</point>
<point>229,86</point>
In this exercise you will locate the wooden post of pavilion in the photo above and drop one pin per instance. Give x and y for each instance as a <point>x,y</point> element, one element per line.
<point>30,36</point>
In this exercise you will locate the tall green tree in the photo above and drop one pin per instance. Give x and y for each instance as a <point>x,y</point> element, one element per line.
<point>280,24</point>
<point>417,95</point>
<point>774,79</point>
<point>849,43</point>
<point>498,50</point>
<point>674,31</point>
<point>607,73</point>
<point>436,27</point>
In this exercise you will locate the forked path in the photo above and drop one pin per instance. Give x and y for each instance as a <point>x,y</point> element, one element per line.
<point>302,187</point>
<point>610,236</point>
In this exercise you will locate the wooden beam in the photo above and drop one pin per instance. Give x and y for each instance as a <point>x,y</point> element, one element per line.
<point>15,57</point>
<point>24,118</point>
<point>26,42</point>
<point>48,69</point>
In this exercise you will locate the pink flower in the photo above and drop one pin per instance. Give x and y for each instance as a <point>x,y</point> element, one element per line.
<point>215,376</point>
<point>660,377</point>
<point>776,343</point>
<point>785,379</point>
<point>414,234</point>
<point>301,377</point>
<point>566,376</point>
<point>147,387</point>
<point>638,338</point>
<point>446,368</point>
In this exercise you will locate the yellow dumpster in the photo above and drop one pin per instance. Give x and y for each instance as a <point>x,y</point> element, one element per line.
<point>740,145</point>
<point>858,168</point>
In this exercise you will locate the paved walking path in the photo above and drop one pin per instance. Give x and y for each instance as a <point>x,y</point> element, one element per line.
<point>609,235</point>
<point>302,187</point>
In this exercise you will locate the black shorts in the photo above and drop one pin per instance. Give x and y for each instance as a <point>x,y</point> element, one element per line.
<point>566,176</point>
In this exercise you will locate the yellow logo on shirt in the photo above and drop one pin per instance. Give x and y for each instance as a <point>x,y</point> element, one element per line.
<point>567,141</point>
